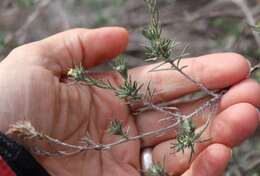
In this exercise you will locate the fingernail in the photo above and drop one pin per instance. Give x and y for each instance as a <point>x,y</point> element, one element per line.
<point>146,159</point>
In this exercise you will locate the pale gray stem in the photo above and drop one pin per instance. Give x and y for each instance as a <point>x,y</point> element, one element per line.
<point>79,149</point>
<point>200,85</point>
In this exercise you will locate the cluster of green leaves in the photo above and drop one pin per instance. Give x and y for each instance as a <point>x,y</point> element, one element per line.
<point>129,91</point>
<point>187,137</point>
<point>79,74</point>
<point>159,47</point>
<point>116,128</point>
<point>157,170</point>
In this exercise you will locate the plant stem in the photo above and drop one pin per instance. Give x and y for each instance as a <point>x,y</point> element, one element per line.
<point>200,85</point>
<point>78,149</point>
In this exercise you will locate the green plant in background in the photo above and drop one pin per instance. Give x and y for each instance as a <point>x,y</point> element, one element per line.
<point>232,30</point>
<point>245,158</point>
<point>227,26</point>
<point>256,27</point>
<point>256,71</point>
<point>104,10</point>
<point>257,75</point>
<point>101,4</point>
<point>102,20</point>
<point>26,3</point>
<point>227,29</point>
<point>2,42</point>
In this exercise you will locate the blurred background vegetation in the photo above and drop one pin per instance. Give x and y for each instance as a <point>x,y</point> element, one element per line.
<point>207,25</point>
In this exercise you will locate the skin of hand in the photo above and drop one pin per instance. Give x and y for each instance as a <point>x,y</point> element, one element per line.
<point>32,89</point>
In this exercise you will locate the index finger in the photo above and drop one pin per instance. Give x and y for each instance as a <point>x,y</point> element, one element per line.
<point>215,71</point>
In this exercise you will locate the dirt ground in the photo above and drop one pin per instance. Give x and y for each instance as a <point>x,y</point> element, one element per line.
<point>187,21</point>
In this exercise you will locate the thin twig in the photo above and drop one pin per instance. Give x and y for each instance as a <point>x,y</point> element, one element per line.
<point>200,85</point>
<point>82,148</point>
<point>255,68</point>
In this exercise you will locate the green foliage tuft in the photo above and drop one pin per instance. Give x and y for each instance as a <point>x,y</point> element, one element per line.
<point>157,170</point>
<point>116,128</point>
<point>130,91</point>
<point>187,137</point>
<point>2,42</point>
<point>120,65</point>
<point>159,47</point>
<point>77,73</point>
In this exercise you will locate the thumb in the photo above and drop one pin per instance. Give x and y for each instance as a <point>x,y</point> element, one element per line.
<point>88,47</point>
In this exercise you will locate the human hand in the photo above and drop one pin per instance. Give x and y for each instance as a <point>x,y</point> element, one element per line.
<point>32,89</point>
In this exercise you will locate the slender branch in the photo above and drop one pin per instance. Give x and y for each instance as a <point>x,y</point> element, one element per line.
<point>200,85</point>
<point>255,68</point>
<point>58,142</point>
<point>172,114</point>
<point>82,148</point>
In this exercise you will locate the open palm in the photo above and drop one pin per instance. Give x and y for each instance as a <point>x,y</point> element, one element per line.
<point>32,89</point>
